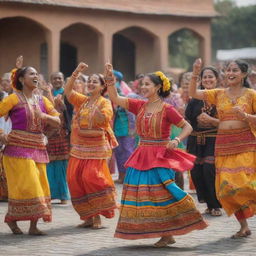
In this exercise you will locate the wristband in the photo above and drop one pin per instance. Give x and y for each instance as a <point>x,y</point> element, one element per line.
<point>177,139</point>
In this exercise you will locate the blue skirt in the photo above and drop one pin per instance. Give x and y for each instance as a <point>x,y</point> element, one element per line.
<point>153,205</point>
<point>56,173</point>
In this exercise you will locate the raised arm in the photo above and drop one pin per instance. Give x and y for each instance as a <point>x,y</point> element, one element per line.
<point>193,91</point>
<point>112,92</point>
<point>70,83</point>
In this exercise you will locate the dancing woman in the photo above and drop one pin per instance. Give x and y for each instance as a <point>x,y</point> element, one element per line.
<point>235,154</point>
<point>90,183</point>
<point>152,204</point>
<point>202,117</point>
<point>25,155</point>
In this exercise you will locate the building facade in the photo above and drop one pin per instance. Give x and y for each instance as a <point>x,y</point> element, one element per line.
<point>132,34</point>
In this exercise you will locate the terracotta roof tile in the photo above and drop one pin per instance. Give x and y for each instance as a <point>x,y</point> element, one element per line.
<point>194,8</point>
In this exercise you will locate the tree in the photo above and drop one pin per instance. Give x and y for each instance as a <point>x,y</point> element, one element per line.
<point>235,28</point>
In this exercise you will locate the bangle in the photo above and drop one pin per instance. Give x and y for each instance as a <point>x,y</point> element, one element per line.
<point>195,76</point>
<point>75,74</point>
<point>177,139</point>
<point>246,115</point>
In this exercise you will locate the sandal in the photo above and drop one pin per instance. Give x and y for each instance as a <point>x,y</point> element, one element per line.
<point>241,234</point>
<point>164,242</point>
<point>207,211</point>
<point>216,212</point>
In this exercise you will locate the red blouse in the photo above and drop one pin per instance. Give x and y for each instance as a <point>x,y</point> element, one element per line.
<point>154,130</point>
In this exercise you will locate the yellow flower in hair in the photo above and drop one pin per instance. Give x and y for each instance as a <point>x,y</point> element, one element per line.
<point>166,82</point>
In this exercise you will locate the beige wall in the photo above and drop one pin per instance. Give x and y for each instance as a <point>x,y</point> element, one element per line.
<point>94,38</point>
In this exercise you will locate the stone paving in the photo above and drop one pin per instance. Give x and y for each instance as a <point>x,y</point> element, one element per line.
<point>63,238</point>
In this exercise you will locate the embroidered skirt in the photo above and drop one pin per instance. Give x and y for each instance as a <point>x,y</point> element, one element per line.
<point>28,190</point>
<point>91,187</point>
<point>235,160</point>
<point>154,206</point>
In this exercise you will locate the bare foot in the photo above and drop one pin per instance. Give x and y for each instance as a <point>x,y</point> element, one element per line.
<point>86,223</point>
<point>14,228</point>
<point>96,222</point>
<point>36,232</point>
<point>165,241</point>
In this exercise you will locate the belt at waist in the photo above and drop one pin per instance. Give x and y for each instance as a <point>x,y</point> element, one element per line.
<point>204,134</point>
<point>152,142</point>
<point>27,139</point>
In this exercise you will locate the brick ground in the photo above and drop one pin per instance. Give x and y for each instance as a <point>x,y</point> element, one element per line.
<point>65,239</point>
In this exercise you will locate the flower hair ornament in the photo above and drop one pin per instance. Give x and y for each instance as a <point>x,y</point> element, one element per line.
<point>14,78</point>
<point>166,82</point>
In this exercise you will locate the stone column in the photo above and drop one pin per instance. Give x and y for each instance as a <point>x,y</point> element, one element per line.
<point>163,52</point>
<point>107,47</point>
<point>53,42</point>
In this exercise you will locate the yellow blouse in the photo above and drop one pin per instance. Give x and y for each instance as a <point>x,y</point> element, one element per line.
<point>224,104</point>
<point>91,138</point>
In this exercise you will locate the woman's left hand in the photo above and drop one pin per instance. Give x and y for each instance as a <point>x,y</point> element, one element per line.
<point>239,112</point>
<point>172,144</point>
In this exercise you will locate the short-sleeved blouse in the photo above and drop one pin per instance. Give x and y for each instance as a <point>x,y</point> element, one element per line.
<point>154,131</point>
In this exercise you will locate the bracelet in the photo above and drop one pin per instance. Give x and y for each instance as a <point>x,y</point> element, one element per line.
<point>177,139</point>
<point>75,74</point>
<point>195,76</point>
<point>246,115</point>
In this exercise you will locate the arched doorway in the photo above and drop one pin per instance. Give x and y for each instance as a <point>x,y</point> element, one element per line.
<point>134,51</point>
<point>184,47</point>
<point>80,42</point>
<point>30,41</point>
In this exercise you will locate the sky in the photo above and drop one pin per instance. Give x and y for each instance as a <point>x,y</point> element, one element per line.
<point>245,2</point>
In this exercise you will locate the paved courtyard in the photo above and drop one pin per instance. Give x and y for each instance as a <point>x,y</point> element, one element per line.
<point>63,238</point>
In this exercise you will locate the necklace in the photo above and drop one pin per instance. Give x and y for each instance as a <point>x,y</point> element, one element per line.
<point>234,99</point>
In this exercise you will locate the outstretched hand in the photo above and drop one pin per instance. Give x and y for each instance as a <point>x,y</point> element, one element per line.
<point>19,62</point>
<point>108,74</point>
<point>81,67</point>
<point>197,66</point>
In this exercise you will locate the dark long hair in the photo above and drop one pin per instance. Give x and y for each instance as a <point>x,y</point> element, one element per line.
<point>244,67</point>
<point>213,69</point>
<point>19,73</point>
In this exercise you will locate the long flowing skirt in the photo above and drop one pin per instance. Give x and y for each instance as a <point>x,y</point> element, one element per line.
<point>28,190</point>
<point>91,187</point>
<point>56,173</point>
<point>236,171</point>
<point>154,206</point>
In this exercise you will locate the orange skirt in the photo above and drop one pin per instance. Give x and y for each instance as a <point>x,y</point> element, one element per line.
<point>91,187</point>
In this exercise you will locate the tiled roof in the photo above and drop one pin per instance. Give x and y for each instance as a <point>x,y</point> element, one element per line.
<point>191,8</point>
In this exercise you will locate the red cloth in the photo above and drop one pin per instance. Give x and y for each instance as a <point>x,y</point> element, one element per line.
<point>147,157</point>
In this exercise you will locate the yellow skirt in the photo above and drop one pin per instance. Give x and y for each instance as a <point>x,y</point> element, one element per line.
<point>235,161</point>
<point>28,190</point>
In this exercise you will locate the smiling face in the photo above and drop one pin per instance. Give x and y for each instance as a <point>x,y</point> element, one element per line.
<point>30,79</point>
<point>94,85</point>
<point>234,75</point>
<point>148,89</point>
<point>209,80</point>
<point>57,80</point>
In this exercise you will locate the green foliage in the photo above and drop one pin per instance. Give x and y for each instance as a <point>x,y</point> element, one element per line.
<point>235,28</point>
<point>183,49</point>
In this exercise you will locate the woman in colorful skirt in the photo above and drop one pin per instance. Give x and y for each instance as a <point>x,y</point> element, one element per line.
<point>235,148</point>
<point>203,119</point>
<point>152,204</point>
<point>90,183</point>
<point>25,155</point>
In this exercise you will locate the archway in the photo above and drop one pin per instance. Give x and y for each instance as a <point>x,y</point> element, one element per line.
<point>134,51</point>
<point>80,42</point>
<point>22,36</point>
<point>184,47</point>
